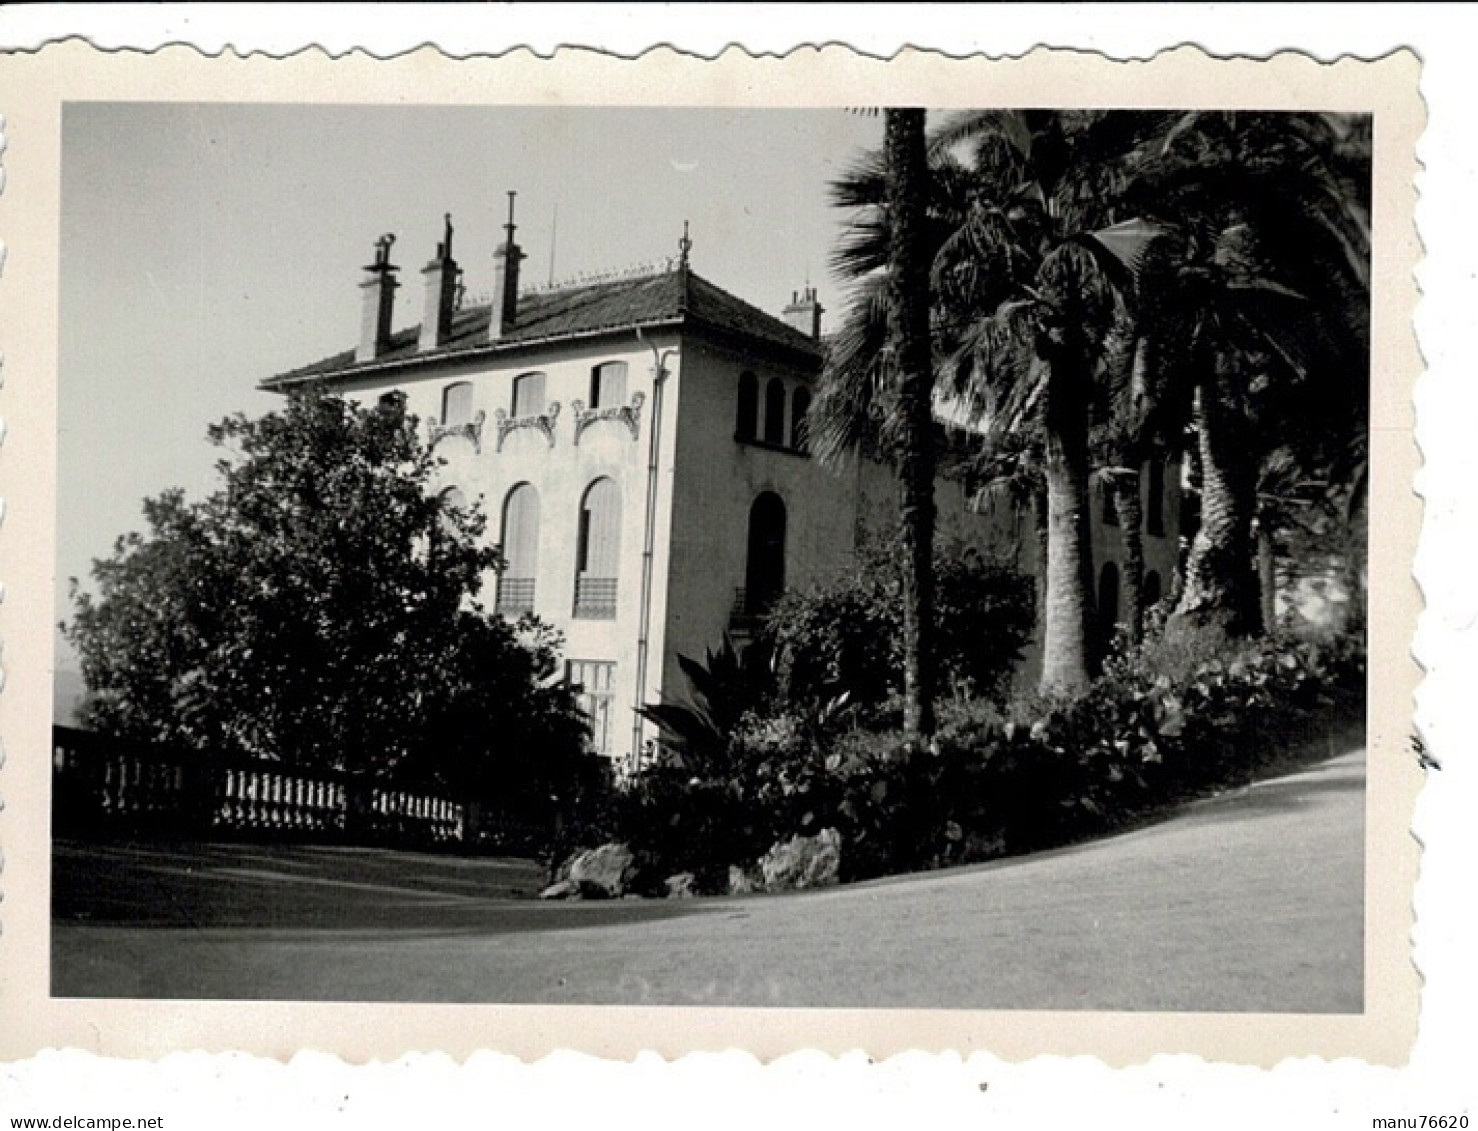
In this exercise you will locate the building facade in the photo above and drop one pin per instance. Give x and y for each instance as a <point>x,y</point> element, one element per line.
<point>639,445</point>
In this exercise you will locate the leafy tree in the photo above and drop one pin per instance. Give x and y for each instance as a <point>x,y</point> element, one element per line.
<point>319,608</point>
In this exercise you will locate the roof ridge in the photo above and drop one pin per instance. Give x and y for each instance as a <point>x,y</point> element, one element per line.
<point>592,305</point>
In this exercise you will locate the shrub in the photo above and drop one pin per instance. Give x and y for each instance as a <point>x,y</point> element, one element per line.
<point>991,782</point>
<point>845,636</point>
<point>1137,741</point>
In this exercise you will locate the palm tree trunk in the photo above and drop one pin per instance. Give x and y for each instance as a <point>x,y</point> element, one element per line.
<point>1267,579</point>
<point>1220,597</point>
<point>1131,525</point>
<point>908,325</point>
<point>1065,657</point>
<point>1039,563</point>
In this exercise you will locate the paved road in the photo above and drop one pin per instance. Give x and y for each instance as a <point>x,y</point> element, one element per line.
<point>1251,901</point>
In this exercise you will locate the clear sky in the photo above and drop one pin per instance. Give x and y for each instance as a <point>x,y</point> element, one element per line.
<point>205,247</point>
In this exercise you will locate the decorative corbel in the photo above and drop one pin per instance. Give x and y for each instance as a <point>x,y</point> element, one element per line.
<point>628,414</point>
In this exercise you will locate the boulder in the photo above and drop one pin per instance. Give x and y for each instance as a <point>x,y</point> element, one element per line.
<point>681,886</point>
<point>604,872</point>
<point>563,889</point>
<point>803,862</point>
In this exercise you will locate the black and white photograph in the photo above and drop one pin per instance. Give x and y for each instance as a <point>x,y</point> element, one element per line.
<point>698,557</point>
<point>548,555</point>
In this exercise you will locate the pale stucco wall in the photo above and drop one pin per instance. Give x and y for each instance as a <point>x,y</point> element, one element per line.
<point>561,472</point>
<point>718,478</point>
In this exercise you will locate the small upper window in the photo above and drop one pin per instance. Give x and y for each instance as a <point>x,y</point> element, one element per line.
<point>456,404</point>
<point>749,406</point>
<point>1110,505</point>
<point>1154,506</point>
<point>528,394</point>
<point>608,385</point>
<point>775,411</point>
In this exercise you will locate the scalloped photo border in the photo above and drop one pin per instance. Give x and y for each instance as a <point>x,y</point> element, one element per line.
<point>33,88</point>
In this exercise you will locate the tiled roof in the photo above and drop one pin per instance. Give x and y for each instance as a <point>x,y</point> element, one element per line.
<point>674,297</point>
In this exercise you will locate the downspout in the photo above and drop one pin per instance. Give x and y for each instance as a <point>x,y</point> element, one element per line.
<point>649,539</point>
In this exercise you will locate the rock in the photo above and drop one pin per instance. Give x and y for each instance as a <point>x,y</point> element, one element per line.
<point>739,881</point>
<point>680,886</point>
<point>564,889</point>
<point>803,862</point>
<point>604,872</point>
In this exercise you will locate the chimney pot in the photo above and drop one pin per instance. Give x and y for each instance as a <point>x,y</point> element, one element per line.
<point>505,280</point>
<point>804,313</point>
<point>442,276</point>
<point>378,310</point>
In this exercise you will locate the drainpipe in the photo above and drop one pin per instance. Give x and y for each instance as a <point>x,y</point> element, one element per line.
<point>649,538</point>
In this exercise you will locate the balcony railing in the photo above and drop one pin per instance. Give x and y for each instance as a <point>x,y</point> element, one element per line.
<point>595,598</point>
<point>744,616</point>
<point>515,596</point>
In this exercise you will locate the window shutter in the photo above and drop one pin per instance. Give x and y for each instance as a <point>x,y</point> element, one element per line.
<point>528,394</point>
<point>456,404</point>
<point>521,531</point>
<point>608,385</point>
<point>601,529</point>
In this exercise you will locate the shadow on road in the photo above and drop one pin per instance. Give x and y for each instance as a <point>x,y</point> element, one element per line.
<point>314,888</point>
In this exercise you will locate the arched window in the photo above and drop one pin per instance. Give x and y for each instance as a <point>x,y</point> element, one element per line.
<point>1152,592</point>
<point>608,385</point>
<point>800,405</point>
<point>520,536</point>
<point>598,551</point>
<point>749,406</point>
<point>1154,505</point>
<point>1108,601</point>
<point>528,394</point>
<point>456,404</point>
<point>764,569</point>
<point>775,411</point>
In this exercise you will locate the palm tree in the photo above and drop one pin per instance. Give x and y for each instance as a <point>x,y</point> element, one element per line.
<point>908,333</point>
<point>1024,281</point>
<point>1254,301</point>
<point>1033,283</point>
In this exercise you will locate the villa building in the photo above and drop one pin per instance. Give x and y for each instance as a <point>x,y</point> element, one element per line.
<point>639,444</point>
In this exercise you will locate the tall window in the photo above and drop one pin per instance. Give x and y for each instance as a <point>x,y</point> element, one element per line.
<point>1151,589</point>
<point>764,570</point>
<point>456,403</point>
<point>598,550</point>
<point>1154,507</point>
<point>775,411</point>
<point>528,394</point>
<point>1110,505</point>
<point>800,406</point>
<point>520,550</point>
<point>608,384</point>
<point>749,407</point>
<point>593,682</point>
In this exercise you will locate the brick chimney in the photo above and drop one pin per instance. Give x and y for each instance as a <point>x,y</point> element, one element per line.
<point>505,281</point>
<point>804,313</point>
<point>441,293</point>
<point>379,302</point>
